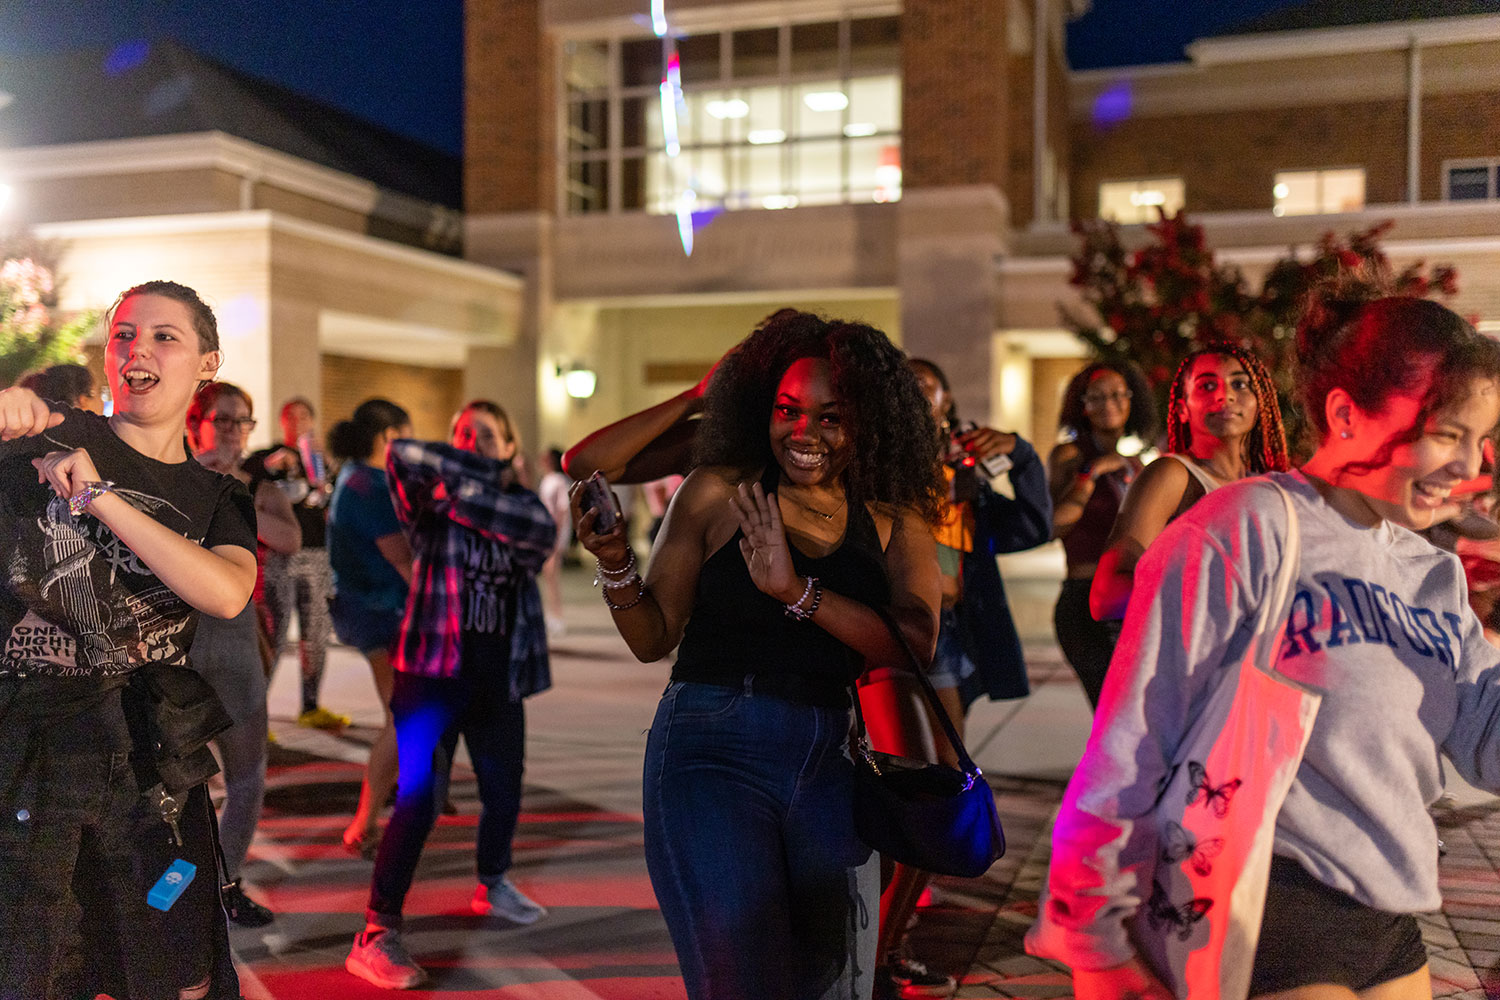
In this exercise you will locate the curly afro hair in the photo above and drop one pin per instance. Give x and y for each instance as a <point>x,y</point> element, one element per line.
<point>895,456</point>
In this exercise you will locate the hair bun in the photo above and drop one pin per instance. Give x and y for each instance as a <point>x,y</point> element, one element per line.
<point>1323,316</point>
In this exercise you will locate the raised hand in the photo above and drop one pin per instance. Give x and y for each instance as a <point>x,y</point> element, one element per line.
<point>611,548</point>
<point>764,546</point>
<point>983,442</point>
<point>66,471</point>
<point>23,413</point>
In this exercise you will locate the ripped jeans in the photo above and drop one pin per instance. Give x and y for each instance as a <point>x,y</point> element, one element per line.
<point>750,843</point>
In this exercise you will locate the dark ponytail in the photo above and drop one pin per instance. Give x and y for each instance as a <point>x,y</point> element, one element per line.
<point>354,439</point>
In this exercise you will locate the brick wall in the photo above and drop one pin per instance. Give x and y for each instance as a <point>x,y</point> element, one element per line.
<point>1227,160</point>
<point>509,160</point>
<point>954,91</point>
<point>1456,126</point>
<point>430,395</point>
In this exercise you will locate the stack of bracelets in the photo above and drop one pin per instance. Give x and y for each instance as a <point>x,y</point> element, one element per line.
<point>618,579</point>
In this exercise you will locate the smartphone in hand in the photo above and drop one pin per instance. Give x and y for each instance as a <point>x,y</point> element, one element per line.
<point>598,496</point>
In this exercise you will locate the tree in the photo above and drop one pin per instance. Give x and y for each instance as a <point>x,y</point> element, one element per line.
<point>31,335</point>
<point>1157,304</point>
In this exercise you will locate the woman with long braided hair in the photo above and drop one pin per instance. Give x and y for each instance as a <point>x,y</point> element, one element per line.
<point>1223,424</point>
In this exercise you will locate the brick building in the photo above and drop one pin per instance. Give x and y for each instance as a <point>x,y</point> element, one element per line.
<point>912,164</point>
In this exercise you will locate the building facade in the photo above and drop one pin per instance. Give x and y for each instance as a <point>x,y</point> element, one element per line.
<point>913,165</point>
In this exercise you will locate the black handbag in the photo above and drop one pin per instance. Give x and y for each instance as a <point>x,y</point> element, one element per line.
<point>930,816</point>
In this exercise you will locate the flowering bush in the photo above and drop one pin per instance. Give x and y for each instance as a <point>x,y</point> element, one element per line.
<point>1168,298</point>
<point>30,334</point>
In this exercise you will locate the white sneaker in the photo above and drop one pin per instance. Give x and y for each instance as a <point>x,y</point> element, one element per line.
<point>379,957</point>
<point>505,900</point>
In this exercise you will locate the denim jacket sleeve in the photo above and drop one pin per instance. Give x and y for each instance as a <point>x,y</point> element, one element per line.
<point>1011,525</point>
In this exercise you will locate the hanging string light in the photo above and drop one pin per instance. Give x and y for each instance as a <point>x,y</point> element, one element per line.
<point>673,108</point>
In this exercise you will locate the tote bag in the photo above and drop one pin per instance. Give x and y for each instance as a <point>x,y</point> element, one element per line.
<point>1215,820</point>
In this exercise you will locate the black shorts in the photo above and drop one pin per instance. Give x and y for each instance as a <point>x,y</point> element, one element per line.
<point>1315,934</point>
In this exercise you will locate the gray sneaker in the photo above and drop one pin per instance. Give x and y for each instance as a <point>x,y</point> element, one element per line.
<point>379,957</point>
<point>505,900</point>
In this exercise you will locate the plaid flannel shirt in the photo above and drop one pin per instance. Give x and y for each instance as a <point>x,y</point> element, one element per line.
<point>442,493</point>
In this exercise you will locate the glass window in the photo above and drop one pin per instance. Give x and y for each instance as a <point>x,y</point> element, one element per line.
<point>771,117</point>
<point>641,63</point>
<point>586,66</point>
<point>1470,180</point>
<point>875,45</point>
<point>874,105</point>
<point>815,48</point>
<point>698,56</point>
<point>1317,192</point>
<point>1140,201</point>
<point>818,108</point>
<point>588,125</point>
<point>757,53</point>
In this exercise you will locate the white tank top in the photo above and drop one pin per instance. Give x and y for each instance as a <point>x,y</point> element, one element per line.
<point>1208,482</point>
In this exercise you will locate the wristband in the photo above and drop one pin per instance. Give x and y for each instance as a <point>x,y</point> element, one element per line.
<point>80,501</point>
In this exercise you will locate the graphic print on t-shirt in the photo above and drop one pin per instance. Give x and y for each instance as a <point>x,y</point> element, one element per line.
<point>93,607</point>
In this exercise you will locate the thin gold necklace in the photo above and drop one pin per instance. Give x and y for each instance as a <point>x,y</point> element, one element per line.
<point>813,510</point>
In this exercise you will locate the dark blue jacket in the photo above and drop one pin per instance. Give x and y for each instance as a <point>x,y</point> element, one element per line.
<point>987,633</point>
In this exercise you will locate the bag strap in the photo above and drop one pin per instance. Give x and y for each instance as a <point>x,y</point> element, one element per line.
<point>970,769</point>
<point>1274,608</point>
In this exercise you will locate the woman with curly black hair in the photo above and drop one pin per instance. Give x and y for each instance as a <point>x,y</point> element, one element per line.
<point>1104,403</point>
<point>811,506</point>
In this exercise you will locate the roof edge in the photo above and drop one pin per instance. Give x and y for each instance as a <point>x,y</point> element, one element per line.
<point>1381,37</point>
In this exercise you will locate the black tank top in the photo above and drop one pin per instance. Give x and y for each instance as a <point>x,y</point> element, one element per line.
<point>735,630</point>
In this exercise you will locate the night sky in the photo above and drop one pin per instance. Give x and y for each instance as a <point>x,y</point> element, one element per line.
<point>400,62</point>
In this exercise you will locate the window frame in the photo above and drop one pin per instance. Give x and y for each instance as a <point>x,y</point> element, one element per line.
<point>735,196</point>
<point>1318,173</point>
<point>1149,179</point>
<point>1492,175</point>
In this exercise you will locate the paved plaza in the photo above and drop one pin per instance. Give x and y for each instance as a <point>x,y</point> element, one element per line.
<point>579,845</point>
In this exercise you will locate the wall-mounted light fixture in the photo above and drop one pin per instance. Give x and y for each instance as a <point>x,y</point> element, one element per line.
<point>578,381</point>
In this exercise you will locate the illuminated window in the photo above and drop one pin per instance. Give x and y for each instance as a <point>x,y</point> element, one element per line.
<point>772,117</point>
<point>1318,192</point>
<point>1140,201</point>
<point>1471,180</point>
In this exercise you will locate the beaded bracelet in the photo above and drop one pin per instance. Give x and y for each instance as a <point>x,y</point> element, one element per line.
<point>80,501</point>
<point>797,611</point>
<point>623,573</point>
<point>630,603</point>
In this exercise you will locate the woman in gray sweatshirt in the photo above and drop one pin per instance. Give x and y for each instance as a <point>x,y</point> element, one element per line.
<point>1402,393</point>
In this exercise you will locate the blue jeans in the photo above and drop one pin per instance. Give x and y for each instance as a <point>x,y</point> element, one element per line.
<point>430,713</point>
<point>750,843</point>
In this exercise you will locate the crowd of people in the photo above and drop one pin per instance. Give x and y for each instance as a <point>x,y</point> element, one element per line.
<point>819,510</point>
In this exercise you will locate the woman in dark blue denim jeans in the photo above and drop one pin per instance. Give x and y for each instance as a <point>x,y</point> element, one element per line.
<point>811,503</point>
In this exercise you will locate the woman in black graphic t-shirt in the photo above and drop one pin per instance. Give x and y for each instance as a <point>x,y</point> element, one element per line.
<point>114,540</point>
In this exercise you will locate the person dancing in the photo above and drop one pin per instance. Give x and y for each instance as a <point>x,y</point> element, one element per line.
<point>1402,393</point>
<point>115,541</point>
<point>371,562</point>
<point>811,505</point>
<point>473,644</point>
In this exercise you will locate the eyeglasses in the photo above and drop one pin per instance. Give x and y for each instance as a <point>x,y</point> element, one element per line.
<point>1100,398</point>
<point>246,424</point>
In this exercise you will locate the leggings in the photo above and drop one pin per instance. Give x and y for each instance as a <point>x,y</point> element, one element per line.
<point>1087,644</point>
<point>302,581</point>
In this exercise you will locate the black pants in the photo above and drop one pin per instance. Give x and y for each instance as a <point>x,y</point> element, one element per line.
<point>80,849</point>
<point>1087,644</point>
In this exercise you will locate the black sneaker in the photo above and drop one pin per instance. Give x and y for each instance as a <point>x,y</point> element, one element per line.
<point>242,909</point>
<point>913,979</point>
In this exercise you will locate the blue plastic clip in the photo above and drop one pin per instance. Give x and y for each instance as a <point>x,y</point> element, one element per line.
<point>171,885</point>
